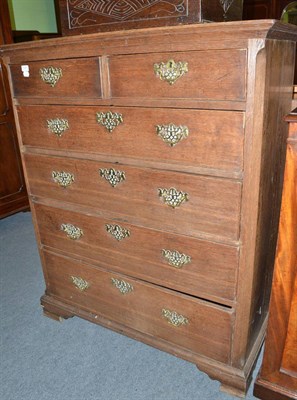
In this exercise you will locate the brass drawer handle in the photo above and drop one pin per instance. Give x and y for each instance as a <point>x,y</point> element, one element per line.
<point>123,286</point>
<point>174,318</point>
<point>80,283</point>
<point>57,126</point>
<point>112,176</point>
<point>172,134</point>
<point>73,232</point>
<point>63,178</point>
<point>170,71</point>
<point>117,231</point>
<point>50,75</point>
<point>109,120</point>
<point>172,197</point>
<point>175,258</point>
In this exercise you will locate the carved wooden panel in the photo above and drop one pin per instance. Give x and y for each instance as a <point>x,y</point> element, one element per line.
<point>84,13</point>
<point>83,16</point>
<point>124,9</point>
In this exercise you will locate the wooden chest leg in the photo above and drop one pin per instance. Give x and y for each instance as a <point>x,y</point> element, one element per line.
<point>53,311</point>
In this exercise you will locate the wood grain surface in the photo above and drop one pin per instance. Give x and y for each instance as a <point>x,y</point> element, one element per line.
<point>215,139</point>
<point>264,162</point>
<point>211,274</point>
<point>218,75</point>
<point>13,193</point>
<point>212,209</point>
<point>80,77</point>
<point>236,91</point>
<point>207,332</point>
<point>278,374</point>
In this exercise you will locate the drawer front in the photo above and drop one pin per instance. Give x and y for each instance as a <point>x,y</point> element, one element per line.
<point>200,326</point>
<point>213,75</point>
<point>140,195</point>
<point>211,139</point>
<point>57,78</point>
<point>193,266</point>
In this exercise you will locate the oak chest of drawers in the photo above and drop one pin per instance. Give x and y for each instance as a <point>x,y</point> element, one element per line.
<point>154,162</point>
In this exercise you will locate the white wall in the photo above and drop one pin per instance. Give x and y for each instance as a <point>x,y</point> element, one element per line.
<point>33,15</point>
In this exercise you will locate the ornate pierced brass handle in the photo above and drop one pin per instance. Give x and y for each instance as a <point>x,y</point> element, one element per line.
<point>123,286</point>
<point>175,258</point>
<point>170,71</point>
<point>172,134</point>
<point>73,232</point>
<point>50,75</point>
<point>112,176</point>
<point>80,283</point>
<point>174,318</point>
<point>57,126</point>
<point>109,120</point>
<point>62,178</point>
<point>117,231</point>
<point>172,197</point>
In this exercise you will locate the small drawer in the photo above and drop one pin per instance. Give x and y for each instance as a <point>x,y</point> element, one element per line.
<point>212,75</point>
<point>182,320</point>
<point>188,138</point>
<point>200,268</point>
<point>170,201</point>
<point>58,78</point>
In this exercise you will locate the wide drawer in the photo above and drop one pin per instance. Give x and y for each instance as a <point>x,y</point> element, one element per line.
<point>210,139</point>
<point>215,75</point>
<point>58,78</point>
<point>178,202</point>
<point>179,319</point>
<point>193,266</point>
